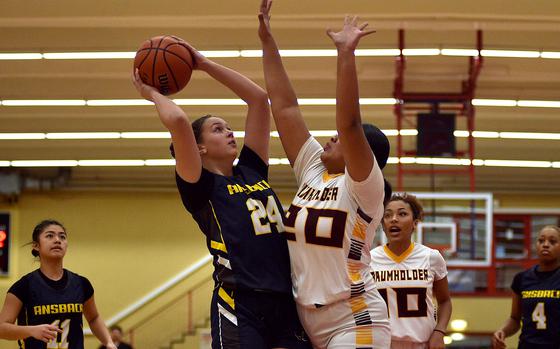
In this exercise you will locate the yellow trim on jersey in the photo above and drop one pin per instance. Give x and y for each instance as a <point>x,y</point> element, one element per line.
<point>364,335</point>
<point>223,295</point>
<point>216,244</point>
<point>359,230</point>
<point>327,177</point>
<point>400,257</point>
<point>357,304</point>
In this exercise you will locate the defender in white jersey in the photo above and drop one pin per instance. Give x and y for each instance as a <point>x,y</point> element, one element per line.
<point>408,275</point>
<point>331,223</point>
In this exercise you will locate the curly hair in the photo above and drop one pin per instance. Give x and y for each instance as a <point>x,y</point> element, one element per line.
<point>412,201</point>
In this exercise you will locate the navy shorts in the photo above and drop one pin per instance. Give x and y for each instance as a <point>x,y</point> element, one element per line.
<point>255,320</point>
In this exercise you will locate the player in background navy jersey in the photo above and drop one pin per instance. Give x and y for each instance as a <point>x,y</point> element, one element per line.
<point>536,298</point>
<point>234,206</point>
<point>50,301</point>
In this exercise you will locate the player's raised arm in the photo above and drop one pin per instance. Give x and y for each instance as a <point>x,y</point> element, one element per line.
<point>357,153</point>
<point>257,124</point>
<point>285,109</point>
<point>189,163</point>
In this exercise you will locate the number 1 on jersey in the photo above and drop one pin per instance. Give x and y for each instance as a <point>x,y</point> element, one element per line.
<point>63,344</point>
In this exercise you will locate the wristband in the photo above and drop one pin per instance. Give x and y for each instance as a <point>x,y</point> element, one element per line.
<point>440,331</point>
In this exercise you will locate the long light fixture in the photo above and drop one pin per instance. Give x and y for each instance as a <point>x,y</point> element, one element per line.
<point>392,52</point>
<point>280,161</point>
<point>273,134</point>
<point>235,101</point>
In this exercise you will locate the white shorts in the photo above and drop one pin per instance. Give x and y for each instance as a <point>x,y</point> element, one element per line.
<point>358,322</point>
<point>408,345</point>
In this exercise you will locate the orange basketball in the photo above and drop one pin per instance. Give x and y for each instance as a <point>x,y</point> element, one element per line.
<point>165,63</point>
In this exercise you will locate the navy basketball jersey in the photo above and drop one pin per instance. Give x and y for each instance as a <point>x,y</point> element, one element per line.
<point>242,220</point>
<point>60,306</point>
<point>540,305</point>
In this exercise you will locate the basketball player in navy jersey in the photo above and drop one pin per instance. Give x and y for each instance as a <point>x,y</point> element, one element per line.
<point>536,298</point>
<point>235,207</point>
<point>50,301</point>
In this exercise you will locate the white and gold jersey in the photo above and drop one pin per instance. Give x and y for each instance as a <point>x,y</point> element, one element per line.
<point>330,227</point>
<point>406,284</point>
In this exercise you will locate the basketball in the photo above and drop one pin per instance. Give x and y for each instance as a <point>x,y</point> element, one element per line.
<point>165,63</point>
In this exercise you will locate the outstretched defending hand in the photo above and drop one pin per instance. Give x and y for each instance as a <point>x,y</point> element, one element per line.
<point>264,19</point>
<point>350,35</point>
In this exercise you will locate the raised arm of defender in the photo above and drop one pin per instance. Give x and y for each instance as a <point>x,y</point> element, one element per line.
<point>285,109</point>
<point>357,153</point>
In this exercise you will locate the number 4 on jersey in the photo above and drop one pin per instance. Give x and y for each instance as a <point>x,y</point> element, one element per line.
<point>539,316</point>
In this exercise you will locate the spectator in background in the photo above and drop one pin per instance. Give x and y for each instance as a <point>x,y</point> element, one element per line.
<point>117,337</point>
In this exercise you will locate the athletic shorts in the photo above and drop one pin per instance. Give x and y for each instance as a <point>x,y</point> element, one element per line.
<point>248,319</point>
<point>358,322</point>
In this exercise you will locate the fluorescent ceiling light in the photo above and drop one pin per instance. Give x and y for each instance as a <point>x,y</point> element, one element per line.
<point>145,135</point>
<point>459,52</point>
<point>517,163</point>
<point>317,101</point>
<point>290,53</point>
<point>539,104</point>
<point>421,51</point>
<point>44,163</point>
<point>89,55</point>
<point>236,101</point>
<point>530,135</point>
<point>251,53</point>
<point>494,102</point>
<point>279,161</point>
<point>22,136</point>
<point>485,134</point>
<point>510,54</point>
<point>208,101</point>
<point>273,134</point>
<point>221,54</point>
<point>83,135</point>
<point>408,132</point>
<point>460,133</point>
<point>377,52</point>
<point>160,162</point>
<point>111,162</point>
<point>323,133</point>
<point>117,102</point>
<point>553,55</point>
<point>19,56</point>
<point>308,53</point>
<point>43,102</point>
<point>378,101</point>
<point>443,161</point>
